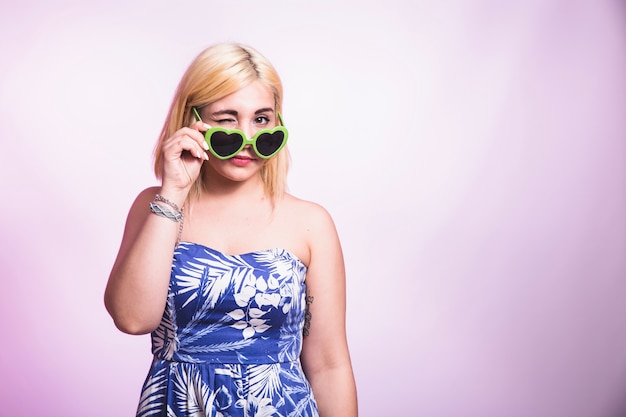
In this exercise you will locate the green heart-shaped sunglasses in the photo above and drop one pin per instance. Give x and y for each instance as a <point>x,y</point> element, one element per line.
<point>226,143</point>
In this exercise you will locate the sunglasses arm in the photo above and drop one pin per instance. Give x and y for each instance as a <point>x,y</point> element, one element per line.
<point>195,112</point>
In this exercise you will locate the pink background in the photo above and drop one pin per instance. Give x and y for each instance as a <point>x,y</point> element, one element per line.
<point>472,153</point>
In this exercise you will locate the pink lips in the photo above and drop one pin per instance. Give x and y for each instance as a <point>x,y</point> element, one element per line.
<point>241,160</point>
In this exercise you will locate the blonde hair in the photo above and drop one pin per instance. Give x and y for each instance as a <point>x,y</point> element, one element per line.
<point>215,73</point>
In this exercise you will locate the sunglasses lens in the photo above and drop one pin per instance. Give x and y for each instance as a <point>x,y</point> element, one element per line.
<point>268,144</point>
<point>225,144</point>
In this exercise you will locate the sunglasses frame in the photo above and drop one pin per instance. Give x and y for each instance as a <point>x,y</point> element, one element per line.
<point>246,141</point>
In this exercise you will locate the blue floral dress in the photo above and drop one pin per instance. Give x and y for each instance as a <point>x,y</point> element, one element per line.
<point>230,339</point>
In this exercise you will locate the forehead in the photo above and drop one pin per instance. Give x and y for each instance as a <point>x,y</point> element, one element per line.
<point>250,98</point>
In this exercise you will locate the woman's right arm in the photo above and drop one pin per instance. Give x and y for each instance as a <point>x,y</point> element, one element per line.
<point>136,292</point>
<point>137,288</point>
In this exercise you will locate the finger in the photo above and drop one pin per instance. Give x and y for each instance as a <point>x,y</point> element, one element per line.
<point>197,146</point>
<point>195,132</point>
<point>200,126</point>
<point>185,141</point>
<point>196,135</point>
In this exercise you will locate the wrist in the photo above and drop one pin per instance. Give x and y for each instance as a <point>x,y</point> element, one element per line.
<point>175,196</point>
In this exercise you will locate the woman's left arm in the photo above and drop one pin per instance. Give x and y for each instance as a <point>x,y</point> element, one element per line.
<point>325,354</point>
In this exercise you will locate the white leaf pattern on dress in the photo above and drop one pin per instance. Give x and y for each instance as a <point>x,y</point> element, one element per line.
<point>230,339</point>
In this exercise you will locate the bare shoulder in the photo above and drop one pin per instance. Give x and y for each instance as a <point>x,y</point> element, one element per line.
<point>143,199</point>
<point>307,214</point>
<point>313,229</point>
<point>138,212</point>
<point>148,193</point>
<point>134,220</point>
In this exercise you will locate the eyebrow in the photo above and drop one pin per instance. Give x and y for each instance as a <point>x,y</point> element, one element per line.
<point>236,113</point>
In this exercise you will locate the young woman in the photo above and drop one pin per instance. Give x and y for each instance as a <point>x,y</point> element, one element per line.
<point>241,284</point>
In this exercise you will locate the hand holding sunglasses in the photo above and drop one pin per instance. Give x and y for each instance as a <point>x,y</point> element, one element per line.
<point>226,143</point>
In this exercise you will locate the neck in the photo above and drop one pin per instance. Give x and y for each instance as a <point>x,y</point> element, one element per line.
<point>218,187</point>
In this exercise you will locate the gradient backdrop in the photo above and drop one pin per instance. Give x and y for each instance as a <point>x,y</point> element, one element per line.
<point>472,153</point>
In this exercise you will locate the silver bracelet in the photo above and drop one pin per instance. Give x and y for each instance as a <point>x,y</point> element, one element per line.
<point>160,210</point>
<point>159,197</point>
<point>165,211</point>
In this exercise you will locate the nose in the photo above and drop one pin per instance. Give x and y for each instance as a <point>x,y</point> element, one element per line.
<point>249,131</point>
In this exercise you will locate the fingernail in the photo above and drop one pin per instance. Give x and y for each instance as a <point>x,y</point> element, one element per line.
<point>206,145</point>
<point>207,126</point>
<point>206,157</point>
